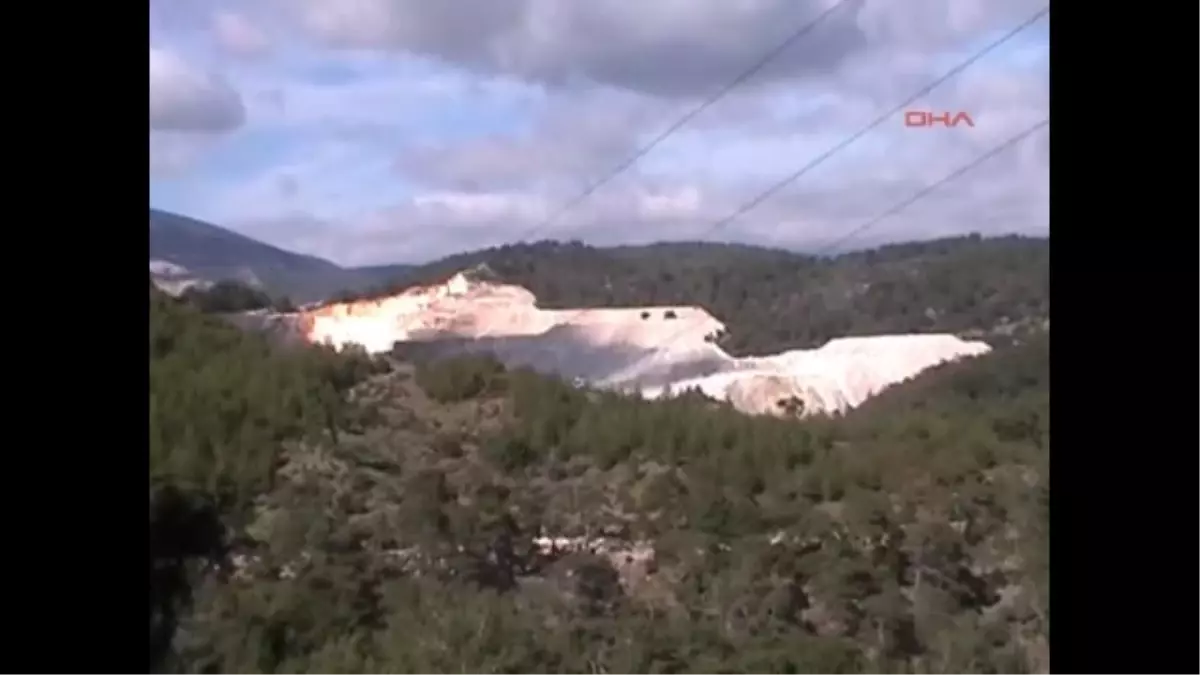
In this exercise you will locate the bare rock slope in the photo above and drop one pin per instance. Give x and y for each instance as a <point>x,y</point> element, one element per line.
<point>175,279</point>
<point>653,350</point>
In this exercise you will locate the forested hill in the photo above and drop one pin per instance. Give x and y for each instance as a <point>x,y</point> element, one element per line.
<point>314,512</point>
<point>774,300</point>
<point>217,254</point>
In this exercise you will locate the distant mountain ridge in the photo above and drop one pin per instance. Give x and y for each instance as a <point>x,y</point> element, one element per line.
<point>773,300</point>
<point>214,253</point>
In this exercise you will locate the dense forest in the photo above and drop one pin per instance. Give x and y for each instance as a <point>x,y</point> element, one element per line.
<point>233,296</point>
<point>321,512</point>
<point>996,289</point>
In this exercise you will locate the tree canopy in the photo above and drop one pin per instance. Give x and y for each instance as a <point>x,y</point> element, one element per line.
<point>771,300</point>
<point>322,512</point>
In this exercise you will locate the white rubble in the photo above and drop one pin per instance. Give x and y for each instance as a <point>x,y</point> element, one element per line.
<point>839,375</point>
<point>654,350</point>
<point>175,279</point>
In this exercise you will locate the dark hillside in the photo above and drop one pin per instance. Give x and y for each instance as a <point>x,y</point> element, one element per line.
<point>393,514</point>
<point>215,253</point>
<point>774,300</point>
<point>222,403</point>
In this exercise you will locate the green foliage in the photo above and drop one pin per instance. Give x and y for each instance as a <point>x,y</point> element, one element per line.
<point>908,536</point>
<point>461,379</point>
<point>773,300</point>
<point>227,296</point>
<point>223,403</point>
<point>312,514</point>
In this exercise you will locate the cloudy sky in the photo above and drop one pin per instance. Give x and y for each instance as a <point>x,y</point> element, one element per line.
<point>375,131</point>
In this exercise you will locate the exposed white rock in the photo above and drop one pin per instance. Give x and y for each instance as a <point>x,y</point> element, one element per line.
<point>839,375</point>
<point>654,350</point>
<point>175,279</point>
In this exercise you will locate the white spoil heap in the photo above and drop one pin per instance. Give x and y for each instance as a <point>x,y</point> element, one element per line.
<point>655,350</point>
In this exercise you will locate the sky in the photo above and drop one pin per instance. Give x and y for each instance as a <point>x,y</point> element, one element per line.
<point>384,131</point>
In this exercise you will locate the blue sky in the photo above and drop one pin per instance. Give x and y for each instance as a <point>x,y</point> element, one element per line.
<point>401,132</point>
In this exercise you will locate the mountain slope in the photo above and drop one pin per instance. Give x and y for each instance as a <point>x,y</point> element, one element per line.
<point>398,527</point>
<point>652,349</point>
<point>773,300</point>
<point>767,330</point>
<point>175,279</point>
<point>215,253</point>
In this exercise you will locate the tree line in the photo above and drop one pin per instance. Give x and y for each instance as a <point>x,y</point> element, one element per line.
<point>323,512</point>
<point>772,300</point>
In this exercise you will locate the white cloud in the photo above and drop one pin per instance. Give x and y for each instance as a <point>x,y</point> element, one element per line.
<point>452,125</point>
<point>238,35</point>
<point>670,47</point>
<point>184,98</point>
<point>173,153</point>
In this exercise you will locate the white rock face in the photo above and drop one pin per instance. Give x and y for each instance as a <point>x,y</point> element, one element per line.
<point>839,375</point>
<point>654,350</point>
<point>174,279</point>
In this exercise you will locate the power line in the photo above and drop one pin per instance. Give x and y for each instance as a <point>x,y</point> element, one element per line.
<point>678,124</point>
<point>914,198</point>
<point>823,157</point>
<point>923,192</point>
<point>773,189</point>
